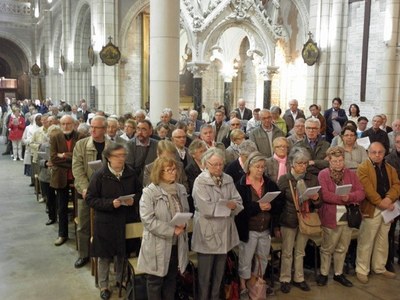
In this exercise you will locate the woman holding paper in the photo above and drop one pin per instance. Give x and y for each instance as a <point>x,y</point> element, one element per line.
<point>298,180</point>
<point>336,234</point>
<point>113,180</point>
<point>217,202</point>
<point>254,223</point>
<point>164,245</point>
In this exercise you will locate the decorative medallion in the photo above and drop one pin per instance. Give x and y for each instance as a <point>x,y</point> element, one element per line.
<point>110,54</point>
<point>91,55</point>
<point>310,51</point>
<point>62,62</point>
<point>35,69</point>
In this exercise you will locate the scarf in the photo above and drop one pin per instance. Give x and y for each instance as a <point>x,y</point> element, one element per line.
<point>337,176</point>
<point>300,189</point>
<point>173,200</point>
<point>282,170</point>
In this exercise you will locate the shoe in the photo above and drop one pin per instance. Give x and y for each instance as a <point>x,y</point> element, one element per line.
<point>342,280</point>
<point>81,262</point>
<point>270,291</point>
<point>6,153</point>
<point>14,159</point>
<point>362,278</point>
<point>60,240</point>
<point>32,184</point>
<point>322,280</point>
<point>41,200</point>
<point>50,221</point>
<point>302,285</point>
<point>389,267</point>
<point>244,294</point>
<point>285,287</point>
<point>20,159</point>
<point>105,294</point>
<point>388,274</point>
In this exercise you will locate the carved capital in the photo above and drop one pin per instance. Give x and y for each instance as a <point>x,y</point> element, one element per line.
<point>197,68</point>
<point>268,72</point>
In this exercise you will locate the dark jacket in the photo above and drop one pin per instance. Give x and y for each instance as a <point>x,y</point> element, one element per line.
<point>235,170</point>
<point>378,136</point>
<point>247,114</point>
<point>192,171</point>
<point>288,215</point>
<point>342,118</point>
<point>109,222</point>
<point>252,208</point>
<point>317,155</point>
<point>393,159</point>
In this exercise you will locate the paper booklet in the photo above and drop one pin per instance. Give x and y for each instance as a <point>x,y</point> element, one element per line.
<point>389,215</point>
<point>180,218</point>
<point>342,190</point>
<point>95,165</point>
<point>268,197</point>
<point>363,142</point>
<point>221,210</point>
<point>310,191</point>
<point>125,198</point>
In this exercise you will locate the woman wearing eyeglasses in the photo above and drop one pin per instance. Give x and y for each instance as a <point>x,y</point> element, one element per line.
<point>278,165</point>
<point>164,247</point>
<point>298,180</point>
<point>336,234</point>
<point>106,186</point>
<point>216,202</point>
<point>354,154</point>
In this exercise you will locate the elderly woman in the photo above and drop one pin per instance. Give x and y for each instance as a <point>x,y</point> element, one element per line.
<point>129,130</point>
<point>353,153</point>
<point>299,179</point>
<point>254,222</point>
<point>235,168</point>
<point>195,167</point>
<point>164,246</point>
<point>336,234</point>
<point>278,164</point>
<point>166,148</point>
<point>113,180</point>
<point>237,136</point>
<point>298,132</point>
<point>277,119</point>
<point>217,202</point>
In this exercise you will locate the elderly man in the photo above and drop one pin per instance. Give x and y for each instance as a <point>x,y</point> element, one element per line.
<point>193,115</point>
<point>208,136</point>
<point>292,114</point>
<point>233,124</point>
<point>61,147</point>
<point>179,140</point>
<point>220,128</point>
<point>264,135</point>
<point>315,145</point>
<point>396,128</point>
<point>382,189</point>
<point>254,122</point>
<point>87,150</point>
<point>376,134</point>
<point>142,149</point>
<point>298,133</point>
<point>244,112</point>
<point>112,130</point>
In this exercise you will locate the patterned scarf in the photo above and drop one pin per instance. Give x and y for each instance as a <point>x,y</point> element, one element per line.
<point>337,176</point>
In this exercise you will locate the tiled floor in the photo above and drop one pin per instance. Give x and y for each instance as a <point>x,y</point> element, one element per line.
<point>31,267</point>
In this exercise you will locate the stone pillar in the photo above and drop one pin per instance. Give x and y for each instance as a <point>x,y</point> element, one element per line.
<point>268,73</point>
<point>48,34</point>
<point>164,57</point>
<point>67,42</point>
<point>197,69</point>
<point>390,73</point>
<point>227,96</point>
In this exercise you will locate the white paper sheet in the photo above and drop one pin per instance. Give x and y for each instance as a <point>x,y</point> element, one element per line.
<point>310,191</point>
<point>221,210</point>
<point>363,142</point>
<point>180,218</point>
<point>125,198</point>
<point>340,211</point>
<point>95,165</point>
<point>389,215</point>
<point>344,189</point>
<point>268,197</point>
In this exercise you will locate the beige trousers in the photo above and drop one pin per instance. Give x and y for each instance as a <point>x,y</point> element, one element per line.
<point>334,242</point>
<point>372,243</point>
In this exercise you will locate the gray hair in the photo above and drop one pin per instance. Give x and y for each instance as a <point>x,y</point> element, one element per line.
<point>298,154</point>
<point>83,129</point>
<point>299,120</point>
<point>314,121</point>
<point>195,145</point>
<point>247,147</point>
<point>210,153</point>
<point>275,109</point>
<point>253,158</point>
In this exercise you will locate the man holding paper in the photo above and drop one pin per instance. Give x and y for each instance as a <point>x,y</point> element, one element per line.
<point>382,189</point>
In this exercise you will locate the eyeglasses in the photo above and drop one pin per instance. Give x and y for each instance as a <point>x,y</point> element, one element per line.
<point>377,152</point>
<point>170,171</point>
<point>216,165</point>
<point>312,128</point>
<point>301,163</point>
<point>118,155</point>
<point>179,137</point>
<point>96,127</point>
<point>235,124</point>
<point>336,161</point>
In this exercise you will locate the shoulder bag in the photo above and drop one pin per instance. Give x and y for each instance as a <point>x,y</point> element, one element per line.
<point>354,216</point>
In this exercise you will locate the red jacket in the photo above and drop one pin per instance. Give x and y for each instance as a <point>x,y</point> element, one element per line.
<point>327,213</point>
<point>16,127</point>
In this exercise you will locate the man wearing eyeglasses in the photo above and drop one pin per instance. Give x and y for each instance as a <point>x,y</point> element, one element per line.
<point>382,189</point>
<point>87,150</point>
<point>315,145</point>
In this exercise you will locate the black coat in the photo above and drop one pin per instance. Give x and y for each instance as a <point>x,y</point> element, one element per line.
<point>252,208</point>
<point>288,215</point>
<point>235,170</point>
<point>109,222</point>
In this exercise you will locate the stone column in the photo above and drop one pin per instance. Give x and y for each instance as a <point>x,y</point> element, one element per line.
<point>197,69</point>
<point>390,73</point>
<point>268,73</point>
<point>164,57</point>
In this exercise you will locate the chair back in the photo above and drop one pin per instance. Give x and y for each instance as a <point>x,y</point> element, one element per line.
<point>133,230</point>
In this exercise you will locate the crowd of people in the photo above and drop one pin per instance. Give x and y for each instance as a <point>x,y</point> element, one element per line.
<point>219,166</point>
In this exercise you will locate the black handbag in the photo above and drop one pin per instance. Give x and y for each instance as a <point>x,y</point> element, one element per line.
<point>354,216</point>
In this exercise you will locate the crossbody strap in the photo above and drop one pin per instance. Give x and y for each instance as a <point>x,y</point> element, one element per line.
<point>294,196</point>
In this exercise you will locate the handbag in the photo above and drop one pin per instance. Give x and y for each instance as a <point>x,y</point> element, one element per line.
<point>231,284</point>
<point>354,215</point>
<point>309,223</point>
<point>256,285</point>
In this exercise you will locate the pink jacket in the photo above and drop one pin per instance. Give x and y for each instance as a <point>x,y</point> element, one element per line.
<point>327,212</point>
<point>16,130</point>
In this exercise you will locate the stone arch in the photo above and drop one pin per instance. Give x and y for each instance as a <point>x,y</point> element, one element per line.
<point>24,48</point>
<point>82,34</point>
